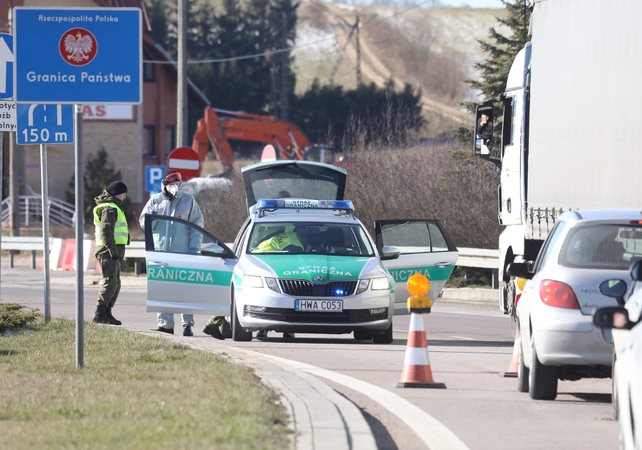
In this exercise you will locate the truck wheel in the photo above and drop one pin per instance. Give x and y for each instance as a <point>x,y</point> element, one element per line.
<point>542,380</point>
<point>238,332</point>
<point>385,338</point>
<point>362,335</point>
<point>522,371</point>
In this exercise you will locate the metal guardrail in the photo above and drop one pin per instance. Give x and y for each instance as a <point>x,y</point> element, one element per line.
<point>478,257</point>
<point>61,213</point>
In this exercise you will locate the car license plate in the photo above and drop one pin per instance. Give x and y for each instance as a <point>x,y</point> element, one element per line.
<point>318,305</point>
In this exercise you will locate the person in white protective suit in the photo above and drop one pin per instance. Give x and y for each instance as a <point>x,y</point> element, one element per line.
<point>173,236</point>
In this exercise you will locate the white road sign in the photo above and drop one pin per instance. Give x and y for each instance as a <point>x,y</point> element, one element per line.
<point>7,116</point>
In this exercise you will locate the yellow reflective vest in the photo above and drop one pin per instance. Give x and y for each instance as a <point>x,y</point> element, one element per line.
<point>279,242</point>
<point>121,232</point>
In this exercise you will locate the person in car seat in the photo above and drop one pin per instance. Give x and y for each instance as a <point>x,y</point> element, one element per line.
<point>610,250</point>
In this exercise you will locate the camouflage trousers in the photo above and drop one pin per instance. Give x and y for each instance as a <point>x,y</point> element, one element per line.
<point>110,286</point>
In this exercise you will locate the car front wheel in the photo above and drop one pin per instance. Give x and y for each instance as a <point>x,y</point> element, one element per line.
<point>362,335</point>
<point>542,380</point>
<point>385,338</point>
<point>238,332</point>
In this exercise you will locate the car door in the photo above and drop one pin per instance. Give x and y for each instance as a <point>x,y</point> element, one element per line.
<point>293,179</point>
<point>193,278</point>
<point>425,246</point>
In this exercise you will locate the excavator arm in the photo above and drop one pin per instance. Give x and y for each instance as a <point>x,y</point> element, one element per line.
<point>212,129</point>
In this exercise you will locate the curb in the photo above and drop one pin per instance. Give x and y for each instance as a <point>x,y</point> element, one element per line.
<point>319,416</point>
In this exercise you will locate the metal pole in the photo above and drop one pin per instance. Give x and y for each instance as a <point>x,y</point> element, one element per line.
<point>181,85</point>
<point>80,222</point>
<point>1,192</point>
<point>45,227</point>
<point>14,187</point>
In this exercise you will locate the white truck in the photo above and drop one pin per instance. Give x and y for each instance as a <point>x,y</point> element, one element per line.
<point>571,126</point>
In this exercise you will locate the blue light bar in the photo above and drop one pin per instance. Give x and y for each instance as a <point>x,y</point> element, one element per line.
<point>304,203</point>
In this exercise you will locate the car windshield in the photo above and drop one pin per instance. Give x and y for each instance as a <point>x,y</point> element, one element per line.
<point>602,247</point>
<point>310,238</point>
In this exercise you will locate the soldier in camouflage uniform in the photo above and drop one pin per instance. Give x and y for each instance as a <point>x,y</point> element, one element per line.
<point>112,235</point>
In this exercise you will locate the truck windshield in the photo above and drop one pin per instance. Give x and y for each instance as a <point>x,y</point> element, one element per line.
<point>323,238</point>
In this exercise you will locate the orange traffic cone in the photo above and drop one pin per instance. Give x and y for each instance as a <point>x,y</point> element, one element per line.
<point>416,366</point>
<point>514,361</point>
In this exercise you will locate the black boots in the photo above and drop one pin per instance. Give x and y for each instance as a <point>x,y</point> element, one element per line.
<point>103,315</point>
<point>100,316</point>
<point>112,319</point>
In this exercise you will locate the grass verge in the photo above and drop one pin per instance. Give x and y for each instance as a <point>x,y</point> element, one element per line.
<point>135,391</point>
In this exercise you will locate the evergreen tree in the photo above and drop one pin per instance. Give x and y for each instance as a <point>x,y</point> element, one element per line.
<point>99,172</point>
<point>501,51</point>
<point>377,115</point>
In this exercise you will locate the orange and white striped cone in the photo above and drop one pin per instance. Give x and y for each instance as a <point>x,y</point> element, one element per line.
<point>416,366</point>
<point>514,361</point>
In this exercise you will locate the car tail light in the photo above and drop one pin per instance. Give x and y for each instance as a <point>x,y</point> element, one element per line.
<point>558,294</point>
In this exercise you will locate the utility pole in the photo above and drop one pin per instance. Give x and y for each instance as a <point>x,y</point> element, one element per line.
<point>356,25</point>
<point>284,72</point>
<point>181,81</point>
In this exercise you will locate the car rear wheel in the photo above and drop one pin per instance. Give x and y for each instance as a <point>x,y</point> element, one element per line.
<point>614,398</point>
<point>362,335</point>
<point>385,338</point>
<point>522,372</point>
<point>542,380</point>
<point>238,332</point>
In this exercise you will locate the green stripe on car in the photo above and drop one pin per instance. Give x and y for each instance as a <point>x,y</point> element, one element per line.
<point>311,267</point>
<point>433,273</point>
<point>192,276</point>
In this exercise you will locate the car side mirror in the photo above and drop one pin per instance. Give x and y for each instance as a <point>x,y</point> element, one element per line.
<point>612,317</point>
<point>520,270</point>
<point>615,289</point>
<point>388,252</point>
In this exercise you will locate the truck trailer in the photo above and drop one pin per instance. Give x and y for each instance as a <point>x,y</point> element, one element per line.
<point>571,135</point>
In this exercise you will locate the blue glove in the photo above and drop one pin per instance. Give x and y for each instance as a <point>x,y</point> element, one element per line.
<point>153,213</point>
<point>193,250</point>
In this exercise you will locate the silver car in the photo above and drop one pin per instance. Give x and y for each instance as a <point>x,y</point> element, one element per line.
<point>558,338</point>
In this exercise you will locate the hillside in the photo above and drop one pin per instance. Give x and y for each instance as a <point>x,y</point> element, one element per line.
<point>433,49</point>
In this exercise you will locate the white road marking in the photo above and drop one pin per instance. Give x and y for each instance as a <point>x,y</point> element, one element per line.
<point>463,338</point>
<point>432,432</point>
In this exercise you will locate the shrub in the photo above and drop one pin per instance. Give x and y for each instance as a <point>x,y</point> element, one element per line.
<point>14,316</point>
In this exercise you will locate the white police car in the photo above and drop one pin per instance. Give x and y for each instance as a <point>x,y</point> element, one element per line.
<point>302,262</point>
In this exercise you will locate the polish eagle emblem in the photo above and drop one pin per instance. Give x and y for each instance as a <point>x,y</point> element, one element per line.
<point>78,47</point>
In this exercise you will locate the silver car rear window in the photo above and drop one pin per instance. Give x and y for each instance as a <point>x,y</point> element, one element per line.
<point>604,246</point>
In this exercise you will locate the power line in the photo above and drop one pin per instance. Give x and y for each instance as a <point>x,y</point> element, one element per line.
<point>267,53</point>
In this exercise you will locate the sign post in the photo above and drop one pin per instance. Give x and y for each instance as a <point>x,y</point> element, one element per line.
<point>77,56</point>
<point>6,93</point>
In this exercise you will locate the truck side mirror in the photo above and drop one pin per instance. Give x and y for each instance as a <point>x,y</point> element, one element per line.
<point>483,134</point>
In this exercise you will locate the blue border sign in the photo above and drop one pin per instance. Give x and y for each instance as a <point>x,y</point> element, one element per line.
<point>6,66</point>
<point>76,55</point>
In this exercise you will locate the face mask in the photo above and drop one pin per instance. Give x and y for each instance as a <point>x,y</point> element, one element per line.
<point>172,189</point>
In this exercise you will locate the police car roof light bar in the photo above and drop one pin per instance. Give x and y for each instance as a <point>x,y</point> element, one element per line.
<point>304,203</point>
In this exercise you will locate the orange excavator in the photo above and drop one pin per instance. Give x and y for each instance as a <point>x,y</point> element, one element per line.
<point>286,138</point>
